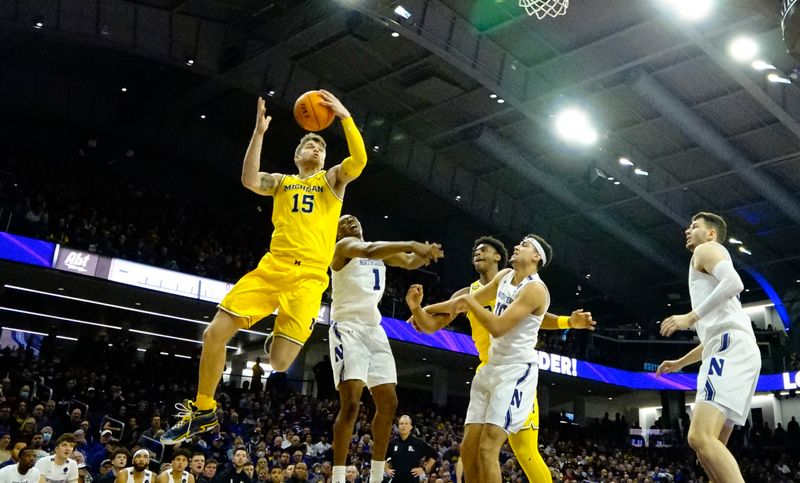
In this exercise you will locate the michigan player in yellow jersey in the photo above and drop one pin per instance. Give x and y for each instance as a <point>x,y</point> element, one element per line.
<point>489,256</point>
<point>293,275</point>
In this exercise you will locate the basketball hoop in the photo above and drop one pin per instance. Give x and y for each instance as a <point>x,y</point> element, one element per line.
<point>544,8</point>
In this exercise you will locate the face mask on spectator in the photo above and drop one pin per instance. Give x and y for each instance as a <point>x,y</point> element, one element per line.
<point>24,394</point>
<point>46,437</point>
<point>261,454</point>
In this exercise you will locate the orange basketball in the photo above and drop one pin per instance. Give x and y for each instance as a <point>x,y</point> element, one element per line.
<point>310,114</point>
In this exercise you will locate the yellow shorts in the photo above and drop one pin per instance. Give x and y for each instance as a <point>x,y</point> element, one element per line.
<point>294,289</point>
<point>533,418</point>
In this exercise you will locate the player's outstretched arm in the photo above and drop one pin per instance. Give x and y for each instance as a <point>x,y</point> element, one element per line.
<point>691,357</point>
<point>353,165</point>
<point>352,247</point>
<point>427,253</point>
<point>577,320</point>
<point>257,181</point>
<point>531,298</point>
<point>426,320</point>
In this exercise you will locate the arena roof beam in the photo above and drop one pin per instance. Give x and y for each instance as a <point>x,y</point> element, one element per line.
<point>776,108</point>
<point>436,29</point>
<point>704,135</point>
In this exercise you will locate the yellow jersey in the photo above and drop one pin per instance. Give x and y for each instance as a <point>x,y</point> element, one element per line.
<point>480,336</point>
<point>305,215</point>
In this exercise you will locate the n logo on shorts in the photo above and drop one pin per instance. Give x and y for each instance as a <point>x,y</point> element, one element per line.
<point>516,399</point>
<point>338,353</point>
<point>716,366</point>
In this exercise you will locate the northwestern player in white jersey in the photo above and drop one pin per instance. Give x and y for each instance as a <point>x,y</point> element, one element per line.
<point>177,473</point>
<point>360,351</point>
<point>503,392</point>
<point>730,357</point>
<point>138,473</point>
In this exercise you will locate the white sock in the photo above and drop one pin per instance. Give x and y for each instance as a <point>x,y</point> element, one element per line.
<point>376,471</point>
<point>338,474</point>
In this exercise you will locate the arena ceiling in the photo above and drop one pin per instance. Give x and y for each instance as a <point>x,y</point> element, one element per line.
<point>712,134</point>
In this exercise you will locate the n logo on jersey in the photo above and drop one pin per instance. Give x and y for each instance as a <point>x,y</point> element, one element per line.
<point>516,399</point>
<point>716,366</point>
<point>338,353</point>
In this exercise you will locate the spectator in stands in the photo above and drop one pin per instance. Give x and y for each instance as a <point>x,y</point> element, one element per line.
<point>235,472</point>
<point>155,427</point>
<point>197,464</point>
<point>16,447</point>
<point>276,475</point>
<point>5,454</point>
<point>351,475</point>
<point>209,471</point>
<point>37,440</point>
<point>119,461</point>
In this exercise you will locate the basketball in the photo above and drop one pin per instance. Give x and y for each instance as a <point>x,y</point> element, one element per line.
<point>310,113</point>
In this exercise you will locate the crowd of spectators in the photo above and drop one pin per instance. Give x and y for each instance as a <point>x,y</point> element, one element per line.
<point>274,434</point>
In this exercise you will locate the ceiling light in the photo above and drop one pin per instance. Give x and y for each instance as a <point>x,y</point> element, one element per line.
<point>66,338</point>
<point>492,96</point>
<point>124,89</point>
<point>573,125</point>
<point>734,241</point>
<point>743,49</point>
<point>778,79</point>
<point>270,93</point>
<point>625,162</point>
<point>761,65</point>
<point>458,197</point>
<point>401,11</point>
<point>692,10</point>
<point>616,183</point>
<point>745,250</point>
<point>165,336</point>
<point>65,319</point>
<point>141,350</point>
<point>641,172</point>
<point>190,62</point>
<point>181,356</point>
<point>376,148</point>
<point>385,217</point>
<point>500,101</point>
<point>202,116</point>
<point>38,25</point>
<point>611,178</point>
<point>164,353</point>
<point>427,375</point>
<point>395,34</point>
<point>104,304</point>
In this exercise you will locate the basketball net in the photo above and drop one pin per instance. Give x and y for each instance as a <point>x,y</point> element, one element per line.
<point>544,8</point>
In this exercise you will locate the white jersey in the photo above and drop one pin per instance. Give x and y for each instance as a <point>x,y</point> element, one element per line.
<point>357,289</point>
<point>55,473</point>
<point>518,345</point>
<point>184,477</point>
<point>728,316</point>
<point>10,474</point>
<point>148,475</point>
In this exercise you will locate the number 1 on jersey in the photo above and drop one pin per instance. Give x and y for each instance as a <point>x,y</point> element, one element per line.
<point>377,279</point>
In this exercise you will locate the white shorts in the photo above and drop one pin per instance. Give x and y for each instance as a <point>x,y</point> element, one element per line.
<point>503,395</point>
<point>729,373</point>
<point>361,352</point>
